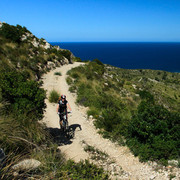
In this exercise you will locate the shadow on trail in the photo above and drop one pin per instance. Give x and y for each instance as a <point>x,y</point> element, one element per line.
<point>60,138</point>
<point>74,126</point>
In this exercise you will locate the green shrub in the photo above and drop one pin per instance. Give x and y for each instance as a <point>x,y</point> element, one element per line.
<point>77,59</point>
<point>12,33</point>
<point>18,134</point>
<point>69,80</point>
<point>58,74</point>
<point>73,89</point>
<point>66,53</point>
<point>75,75</point>
<point>84,170</point>
<point>154,132</point>
<point>24,96</point>
<point>145,95</point>
<point>54,96</point>
<point>94,112</point>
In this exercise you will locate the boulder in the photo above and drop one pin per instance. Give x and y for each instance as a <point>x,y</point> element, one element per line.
<point>50,65</point>
<point>27,164</point>
<point>24,37</point>
<point>173,162</point>
<point>65,61</point>
<point>35,43</point>
<point>90,117</point>
<point>57,63</point>
<point>47,45</point>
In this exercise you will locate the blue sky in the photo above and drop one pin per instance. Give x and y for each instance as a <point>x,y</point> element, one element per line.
<point>96,20</point>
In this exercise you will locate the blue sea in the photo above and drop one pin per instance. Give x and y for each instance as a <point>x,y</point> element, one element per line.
<point>157,56</point>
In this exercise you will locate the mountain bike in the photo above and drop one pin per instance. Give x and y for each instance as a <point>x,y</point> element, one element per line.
<point>65,125</point>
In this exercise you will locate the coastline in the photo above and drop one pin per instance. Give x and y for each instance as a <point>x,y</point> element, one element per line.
<point>162,56</point>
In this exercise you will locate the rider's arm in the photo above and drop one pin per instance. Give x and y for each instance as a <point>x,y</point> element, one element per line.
<point>69,107</point>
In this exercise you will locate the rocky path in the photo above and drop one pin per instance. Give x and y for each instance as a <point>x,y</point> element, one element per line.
<point>123,166</point>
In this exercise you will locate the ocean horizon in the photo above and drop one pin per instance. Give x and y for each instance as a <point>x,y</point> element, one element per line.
<point>129,55</point>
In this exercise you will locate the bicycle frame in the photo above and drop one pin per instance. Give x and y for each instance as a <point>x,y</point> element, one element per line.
<point>65,126</point>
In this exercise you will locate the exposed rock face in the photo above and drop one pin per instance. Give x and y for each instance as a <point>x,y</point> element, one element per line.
<point>65,61</point>
<point>50,65</point>
<point>45,45</point>
<point>57,47</point>
<point>35,42</point>
<point>173,162</point>
<point>25,36</point>
<point>57,63</point>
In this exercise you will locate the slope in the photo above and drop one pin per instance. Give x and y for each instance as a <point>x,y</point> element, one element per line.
<point>74,148</point>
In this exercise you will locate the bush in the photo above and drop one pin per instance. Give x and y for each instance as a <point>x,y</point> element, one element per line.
<point>69,80</point>
<point>77,59</point>
<point>66,53</point>
<point>54,96</point>
<point>84,170</point>
<point>17,134</point>
<point>154,132</point>
<point>58,74</point>
<point>12,33</point>
<point>24,96</point>
<point>72,89</point>
<point>94,112</point>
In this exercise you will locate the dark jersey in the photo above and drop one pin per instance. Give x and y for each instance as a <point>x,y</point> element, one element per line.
<point>62,106</point>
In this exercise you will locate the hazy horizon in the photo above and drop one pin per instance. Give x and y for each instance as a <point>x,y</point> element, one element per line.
<point>114,41</point>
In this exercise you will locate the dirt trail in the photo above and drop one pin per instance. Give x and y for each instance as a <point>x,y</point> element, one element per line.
<point>74,147</point>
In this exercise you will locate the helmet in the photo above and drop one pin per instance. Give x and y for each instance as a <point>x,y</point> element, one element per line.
<point>63,96</point>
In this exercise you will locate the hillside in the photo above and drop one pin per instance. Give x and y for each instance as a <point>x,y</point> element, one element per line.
<point>21,50</point>
<point>27,149</point>
<point>138,108</point>
<point>88,144</point>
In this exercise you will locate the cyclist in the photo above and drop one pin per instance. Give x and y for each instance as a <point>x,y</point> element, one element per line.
<point>62,107</point>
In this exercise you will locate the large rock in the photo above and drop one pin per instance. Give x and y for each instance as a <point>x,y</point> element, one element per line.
<point>57,63</point>
<point>24,37</point>
<point>173,162</point>
<point>50,65</point>
<point>47,45</point>
<point>35,43</point>
<point>65,61</point>
<point>27,164</point>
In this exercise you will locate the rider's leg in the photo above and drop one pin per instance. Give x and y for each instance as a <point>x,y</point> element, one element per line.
<point>60,121</point>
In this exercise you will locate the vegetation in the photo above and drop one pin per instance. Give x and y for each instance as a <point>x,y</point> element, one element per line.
<point>154,131</point>
<point>96,153</point>
<point>54,96</point>
<point>58,74</point>
<point>20,49</point>
<point>77,59</point>
<point>13,33</point>
<point>134,107</point>
<point>22,106</point>
<point>84,170</point>
<point>23,96</point>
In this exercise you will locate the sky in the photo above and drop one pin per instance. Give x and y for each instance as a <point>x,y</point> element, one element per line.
<point>96,20</point>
